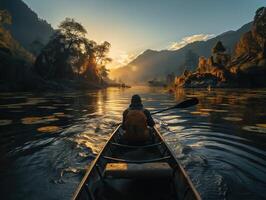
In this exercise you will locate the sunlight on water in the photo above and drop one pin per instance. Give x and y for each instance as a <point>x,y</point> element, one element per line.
<point>220,142</point>
<point>38,120</point>
<point>256,129</point>
<point>200,113</point>
<point>261,125</point>
<point>49,129</point>
<point>233,119</point>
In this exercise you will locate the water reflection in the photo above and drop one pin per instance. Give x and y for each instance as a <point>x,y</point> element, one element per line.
<point>49,129</point>
<point>38,120</point>
<point>4,122</point>
<point>49,139</point>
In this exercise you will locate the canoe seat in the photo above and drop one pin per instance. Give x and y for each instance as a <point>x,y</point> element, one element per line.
<point>136,146</point>
<point>132,170</point>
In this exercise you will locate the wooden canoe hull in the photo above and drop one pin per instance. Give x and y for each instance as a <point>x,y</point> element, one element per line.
<point>143,173</point>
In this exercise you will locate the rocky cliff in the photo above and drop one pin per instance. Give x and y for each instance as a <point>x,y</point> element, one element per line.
<point>245,67</point>
<point>151,64</point>
<point>27,28</point>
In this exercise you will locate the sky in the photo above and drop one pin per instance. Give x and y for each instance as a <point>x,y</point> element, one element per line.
<point>132,26</point>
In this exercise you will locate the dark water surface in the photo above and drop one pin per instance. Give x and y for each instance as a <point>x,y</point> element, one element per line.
<point>47,140</point>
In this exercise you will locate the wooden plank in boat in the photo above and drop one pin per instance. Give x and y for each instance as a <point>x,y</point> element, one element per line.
<point>144,170</point>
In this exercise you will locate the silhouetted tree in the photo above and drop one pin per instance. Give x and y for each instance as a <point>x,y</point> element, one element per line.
<point>70,54</point>
<point>101,53</point>
<point>61,57</point>
<point>218,48</point>
<point>96,59</point>
<point>259,27</point>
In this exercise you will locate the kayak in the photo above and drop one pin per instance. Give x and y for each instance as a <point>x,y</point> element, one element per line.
<point>123,171</point>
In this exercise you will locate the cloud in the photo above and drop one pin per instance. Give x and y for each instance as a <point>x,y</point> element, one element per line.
<point>189,39</point>
<point>122,59</point>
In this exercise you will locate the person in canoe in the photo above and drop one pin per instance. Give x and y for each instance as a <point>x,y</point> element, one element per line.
<point>136,122</point>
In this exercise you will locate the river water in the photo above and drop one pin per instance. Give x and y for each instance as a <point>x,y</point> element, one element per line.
<point>47,140</point>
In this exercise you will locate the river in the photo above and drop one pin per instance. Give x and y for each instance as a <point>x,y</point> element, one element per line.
<point>48,139</point>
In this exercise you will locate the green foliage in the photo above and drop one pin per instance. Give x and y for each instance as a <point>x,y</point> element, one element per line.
<point>26,25</point>
<point>70,55</point>
<point>101,51</point>
<point>219,47</point>
<point>259,23</point>
<point>5,17</point>
<point>72,29</point>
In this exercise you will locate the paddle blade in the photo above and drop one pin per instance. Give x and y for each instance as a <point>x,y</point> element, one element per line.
<point>188,103</point>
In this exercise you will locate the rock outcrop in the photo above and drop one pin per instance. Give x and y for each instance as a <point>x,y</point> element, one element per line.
<point>246,67</point>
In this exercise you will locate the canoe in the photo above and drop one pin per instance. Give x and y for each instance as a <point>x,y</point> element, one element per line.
<point>131,172</point>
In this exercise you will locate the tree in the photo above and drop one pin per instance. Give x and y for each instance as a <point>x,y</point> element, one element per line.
<point>70,54</point>
<point>97,59</point>
<point>259,28</point>
<point>5,17</point>
<point>101,53</point>
<point>104,72</point>
<point>64,51</point>
<point>218,48</point>
<point>73,32</point>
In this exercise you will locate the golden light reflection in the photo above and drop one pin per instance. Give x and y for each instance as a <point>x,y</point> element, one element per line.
<point>38,120</point>
<point>233,119</point>
<point>94,142</point>
<point>49,129</point>
<point>206,110</point>
<point>197,145</point>
<point>261,125</point>
<point>200,113</point>
<point>61,114</point>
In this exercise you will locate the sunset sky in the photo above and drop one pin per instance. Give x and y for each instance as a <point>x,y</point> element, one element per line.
<point>134,26</point>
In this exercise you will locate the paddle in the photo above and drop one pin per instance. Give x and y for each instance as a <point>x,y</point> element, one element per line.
<point>184,104</point>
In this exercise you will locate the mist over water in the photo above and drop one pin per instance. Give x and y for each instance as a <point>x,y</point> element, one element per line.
<point>48,140</point>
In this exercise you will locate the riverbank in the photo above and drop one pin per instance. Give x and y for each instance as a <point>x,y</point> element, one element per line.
<point>35,84</point>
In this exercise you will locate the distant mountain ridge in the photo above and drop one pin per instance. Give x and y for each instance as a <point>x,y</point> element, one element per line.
<point>26,26</point>
<point>151,64</point>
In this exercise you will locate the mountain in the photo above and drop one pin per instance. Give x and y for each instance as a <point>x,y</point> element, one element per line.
<point>151,64</point>
<point>26,26</point>
<point>245,67</point>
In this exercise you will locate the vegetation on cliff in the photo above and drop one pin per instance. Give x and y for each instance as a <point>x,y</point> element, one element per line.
<point>26,27</point>
<point>15,62</point>
<point>151,63</point>
<point>246,67</point>
<point>68,61</point>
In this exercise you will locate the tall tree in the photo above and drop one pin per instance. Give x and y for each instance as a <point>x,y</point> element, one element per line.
<point>63,52</point>
<point>259,28</point>
<point>70,54</point>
